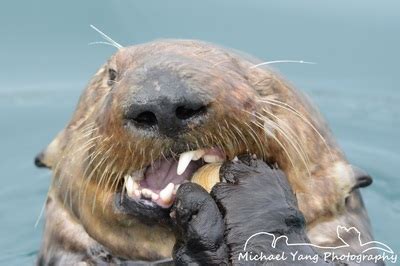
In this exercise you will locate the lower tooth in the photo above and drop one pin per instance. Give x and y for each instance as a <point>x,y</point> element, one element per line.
<point>176,189</point>
<point>154,197</point>
<point>166,193</point>
<point>137,193</point>
<point>147,193</point>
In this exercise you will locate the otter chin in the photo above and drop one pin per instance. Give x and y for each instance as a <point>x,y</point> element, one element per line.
<point>160,114</point>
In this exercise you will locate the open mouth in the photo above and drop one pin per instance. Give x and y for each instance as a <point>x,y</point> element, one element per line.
<point>156,184</point>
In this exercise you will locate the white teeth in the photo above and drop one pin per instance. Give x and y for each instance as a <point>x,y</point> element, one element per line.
<point>154,197</point>
<point>166,193</point>
<point>129,184</point>
<point>147,193</point>
<point>212,158</point>
<point>137,193</point>
<point>185,159</point>
<point>132,187</point>
<point>176,189</point>
<point>135,185</point>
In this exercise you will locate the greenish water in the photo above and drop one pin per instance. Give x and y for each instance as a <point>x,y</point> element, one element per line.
<point>46,62</point>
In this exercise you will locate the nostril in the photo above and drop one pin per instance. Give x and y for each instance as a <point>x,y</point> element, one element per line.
<point>183,112</point>
<point>145,119</point>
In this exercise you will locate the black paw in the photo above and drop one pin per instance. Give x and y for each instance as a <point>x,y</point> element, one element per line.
<point>199,228</point>
<point>254,198</point>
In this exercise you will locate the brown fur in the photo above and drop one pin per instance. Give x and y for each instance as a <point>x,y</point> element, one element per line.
<point>255,111</point>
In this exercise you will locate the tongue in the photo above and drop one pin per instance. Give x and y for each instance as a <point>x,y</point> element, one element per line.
<point>163,171</point>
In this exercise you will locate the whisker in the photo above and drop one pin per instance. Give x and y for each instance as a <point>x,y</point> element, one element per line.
<point>291,137</point>
<point>42,210</point>
<point>301,116</point>
<point>105,43</point>
<point>107,38</point>
<point>271,134</point>
<point>278,128</point>
<point>282,61</point>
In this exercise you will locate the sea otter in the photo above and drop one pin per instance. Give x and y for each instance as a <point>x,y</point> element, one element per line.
<point>158,115</point>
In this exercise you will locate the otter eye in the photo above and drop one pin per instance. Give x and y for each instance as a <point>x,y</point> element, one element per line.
<point>112,75</point>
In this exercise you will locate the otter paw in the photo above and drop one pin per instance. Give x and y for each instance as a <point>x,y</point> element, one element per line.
<point>199,228</point>
<point>257,197</point>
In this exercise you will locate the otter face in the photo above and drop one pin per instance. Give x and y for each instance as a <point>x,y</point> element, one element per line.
<point>171,115</point>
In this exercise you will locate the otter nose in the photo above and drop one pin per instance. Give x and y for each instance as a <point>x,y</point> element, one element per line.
<point>164,102</point>
<point>167,116</point>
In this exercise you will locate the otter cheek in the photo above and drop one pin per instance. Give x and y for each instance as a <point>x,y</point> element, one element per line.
<point>207,176</point>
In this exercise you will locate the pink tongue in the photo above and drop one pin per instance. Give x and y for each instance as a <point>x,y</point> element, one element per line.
<point>163,171</point>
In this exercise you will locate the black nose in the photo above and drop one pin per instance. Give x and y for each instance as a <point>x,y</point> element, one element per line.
<point>166,116</point>
<point>164,103</point>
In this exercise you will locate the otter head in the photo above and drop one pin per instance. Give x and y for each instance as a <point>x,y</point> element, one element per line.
<point>168,112</point>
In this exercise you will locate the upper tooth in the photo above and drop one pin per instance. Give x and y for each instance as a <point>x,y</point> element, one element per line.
<point>166,193</point>
<point>186,157</point>
<point>209,158</point>
<point>129,184</point>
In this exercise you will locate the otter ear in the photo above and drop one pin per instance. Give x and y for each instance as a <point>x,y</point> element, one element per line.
<point>49,156</point>
<point>39,161</point>
<point>362,178</point>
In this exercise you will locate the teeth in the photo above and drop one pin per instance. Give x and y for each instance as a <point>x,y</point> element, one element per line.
<point>166,193</point>
<point>135,185</point>
<point>212,158</point>
<point>129,184</point>
<point>154,197</point>
<point>186,158</point>
<point>176,189</point>
<point>137,193</point>
<point>147,193</point>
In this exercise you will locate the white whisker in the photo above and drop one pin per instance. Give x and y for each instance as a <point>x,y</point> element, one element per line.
<point>105,43</point>
<point>41,212</point>
<point>107,38</point>
<point>283,61</point>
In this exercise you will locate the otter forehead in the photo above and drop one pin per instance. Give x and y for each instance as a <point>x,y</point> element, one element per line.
<point>193,48</point>
<point>182,54</point>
